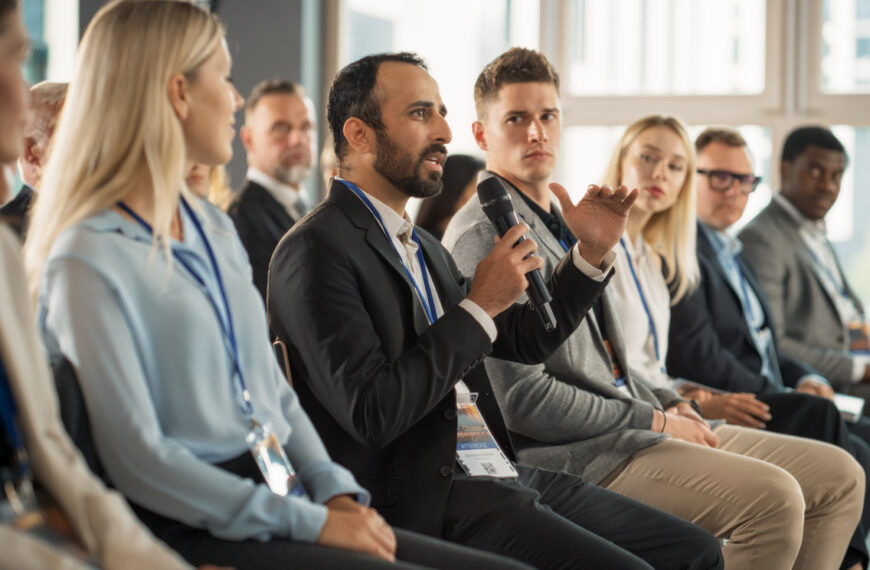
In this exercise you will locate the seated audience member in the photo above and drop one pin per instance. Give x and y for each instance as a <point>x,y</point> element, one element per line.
<point>46,100</point>
<point>210,183</point>
<point>721,335</point>
<point>141,285</point>
<point>579,412</point>
<point>280,136</point>
<point>460,182</point>
<point>386,337</point>
<point>818,318</point>
<point>34,448</point>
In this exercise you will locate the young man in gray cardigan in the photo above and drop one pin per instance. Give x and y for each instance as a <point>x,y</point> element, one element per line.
<point>583,411</point>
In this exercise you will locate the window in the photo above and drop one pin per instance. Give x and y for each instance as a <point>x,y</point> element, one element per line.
<point>484,29</point>
<point>666,47</point>
<point>846,47</point>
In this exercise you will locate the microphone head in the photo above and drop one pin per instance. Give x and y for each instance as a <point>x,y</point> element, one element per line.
<point>493,195</point>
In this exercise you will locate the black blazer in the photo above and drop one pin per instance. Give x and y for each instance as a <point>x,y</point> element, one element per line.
<point>709,340</point>
<point>376,379</point>
<point>261,222</point>
<point>17,210</point>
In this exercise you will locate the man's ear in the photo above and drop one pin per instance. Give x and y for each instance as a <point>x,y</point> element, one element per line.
<point>179,97</point>
<point>479,134</point>
<point>32,154</point>
<point>245,136</point>
<point>360,136</point>
<point>784,171</point>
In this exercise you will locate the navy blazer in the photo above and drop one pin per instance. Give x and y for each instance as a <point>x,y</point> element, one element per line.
<point>709,339</point>
<point>16,212</point>
<point>375,377</point>
<point>261,221</point>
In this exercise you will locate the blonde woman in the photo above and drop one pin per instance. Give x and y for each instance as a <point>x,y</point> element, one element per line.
<point>147,291</point>
<point>656,261</point>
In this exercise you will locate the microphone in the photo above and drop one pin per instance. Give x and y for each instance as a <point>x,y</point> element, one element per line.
<point>499,208</point>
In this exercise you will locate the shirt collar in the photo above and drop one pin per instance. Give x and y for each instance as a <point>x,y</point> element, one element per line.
<point>394,224</point>
<point>815,226</point>
<point>110,221</point>
<point>285,194</point>
<point>552,220</point>
<point>723,243</point>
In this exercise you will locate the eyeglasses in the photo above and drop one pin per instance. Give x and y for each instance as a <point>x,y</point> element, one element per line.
<point>722,180</point>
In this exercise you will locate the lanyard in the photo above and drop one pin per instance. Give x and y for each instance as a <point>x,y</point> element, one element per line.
<point>8,411</point>
<point>652,327</point>
<point>429,300</point>
<point>830,275</point>
<point>228,328</point>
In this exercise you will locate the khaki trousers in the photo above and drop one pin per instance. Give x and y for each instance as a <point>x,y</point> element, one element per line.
<point>781,501</point>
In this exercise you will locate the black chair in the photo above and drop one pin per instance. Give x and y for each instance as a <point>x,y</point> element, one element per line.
<point>74,415</point>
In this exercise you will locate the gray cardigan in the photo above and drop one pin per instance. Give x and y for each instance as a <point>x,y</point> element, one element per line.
<point>565,414</point>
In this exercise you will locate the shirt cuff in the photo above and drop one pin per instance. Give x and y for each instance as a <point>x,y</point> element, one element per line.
<point>590,271</point>
<point>481,317</point>
<point>859,365</point>
<point>813,377</point>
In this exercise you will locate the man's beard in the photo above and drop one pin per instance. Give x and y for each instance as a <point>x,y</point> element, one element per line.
<point>402,171</point>
<point>293,175</point>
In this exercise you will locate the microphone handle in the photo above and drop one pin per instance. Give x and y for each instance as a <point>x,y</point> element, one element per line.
<point>537,291</point>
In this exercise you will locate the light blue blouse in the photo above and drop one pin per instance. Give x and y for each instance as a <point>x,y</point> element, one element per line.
<point>146,342</point>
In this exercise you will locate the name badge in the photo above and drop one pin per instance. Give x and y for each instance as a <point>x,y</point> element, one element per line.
<point>859,337</point>
<point>273,462</point>
<point>476,449</point>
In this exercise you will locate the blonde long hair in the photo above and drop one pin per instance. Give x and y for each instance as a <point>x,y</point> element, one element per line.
<point>670,233</point>
<point>118,131</point>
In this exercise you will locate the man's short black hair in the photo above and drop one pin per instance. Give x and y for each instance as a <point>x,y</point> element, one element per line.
<point>351,94</point>
<point>799,139</point>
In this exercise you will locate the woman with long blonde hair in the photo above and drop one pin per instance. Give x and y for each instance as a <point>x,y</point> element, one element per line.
<point>656,257</point>
<point>146,290</point>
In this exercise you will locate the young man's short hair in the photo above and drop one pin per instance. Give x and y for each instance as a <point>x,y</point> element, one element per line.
<point>352,94</point>
<point>516,65</point>
<point>799,139</point>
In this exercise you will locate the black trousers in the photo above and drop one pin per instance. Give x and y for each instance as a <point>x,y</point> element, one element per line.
<point>809,416</point>
<point>556,520</point>
<point>414,550</point>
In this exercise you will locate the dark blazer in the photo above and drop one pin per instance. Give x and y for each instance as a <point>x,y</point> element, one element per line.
<point>376,379</point>
<point>261,222</point>
<point>710,341</point>
<point>16,211</point>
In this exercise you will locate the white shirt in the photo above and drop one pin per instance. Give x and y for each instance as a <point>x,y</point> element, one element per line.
<point>640,339</point>
<point>290,198</point>
<point>827,270</point>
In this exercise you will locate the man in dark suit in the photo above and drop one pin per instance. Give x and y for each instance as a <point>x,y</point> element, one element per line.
<point>386,337</point>
<point>722,336</point>
<point>280,136</point>
<point>46,100</point>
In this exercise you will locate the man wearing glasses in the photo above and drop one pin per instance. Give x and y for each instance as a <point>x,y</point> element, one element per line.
<point>819,318</point>
<point>723,337</point>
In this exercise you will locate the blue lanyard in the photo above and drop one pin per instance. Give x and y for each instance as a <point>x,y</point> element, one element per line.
<point>228,328</point>
<point>652,327</point>
<point>8,411</point>
<point>830,275</point>
<point>428,301</point>
<point>567,245</point>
